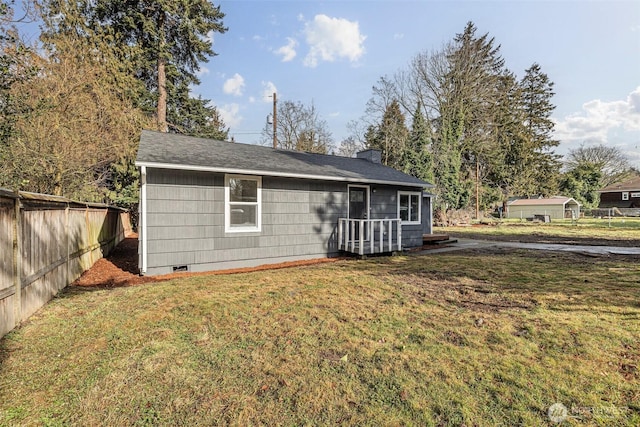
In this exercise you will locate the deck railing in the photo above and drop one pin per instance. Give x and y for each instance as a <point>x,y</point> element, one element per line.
<point>369,236</point>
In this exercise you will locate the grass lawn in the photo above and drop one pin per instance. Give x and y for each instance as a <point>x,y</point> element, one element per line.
<point>484,337</point>
<point>586,231</point>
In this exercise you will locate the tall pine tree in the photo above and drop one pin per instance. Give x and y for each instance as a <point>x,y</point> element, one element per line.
<point>390,136</point>
<point>161,42</point>
<point>537,92</point>
<point>417,159</point>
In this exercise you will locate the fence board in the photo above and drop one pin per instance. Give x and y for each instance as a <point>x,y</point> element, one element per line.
<point>59,240</point>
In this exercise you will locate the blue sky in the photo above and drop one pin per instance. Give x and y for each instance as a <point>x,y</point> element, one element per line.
<point>332,52</point>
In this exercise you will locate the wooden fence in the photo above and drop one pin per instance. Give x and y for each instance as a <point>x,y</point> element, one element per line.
<point>46,242</point>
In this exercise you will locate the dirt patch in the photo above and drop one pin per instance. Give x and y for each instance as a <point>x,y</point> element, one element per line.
<point>120,268</point>
<point>478,296</point>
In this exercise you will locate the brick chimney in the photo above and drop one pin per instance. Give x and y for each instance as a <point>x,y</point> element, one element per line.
<point>371,154</point>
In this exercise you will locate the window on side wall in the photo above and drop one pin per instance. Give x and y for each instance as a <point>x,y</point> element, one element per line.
<point>625,195</point>
<point>409,207</point>
<point>242,203</point>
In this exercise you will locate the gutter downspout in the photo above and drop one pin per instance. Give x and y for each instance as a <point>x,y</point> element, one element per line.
<point>143,218</point>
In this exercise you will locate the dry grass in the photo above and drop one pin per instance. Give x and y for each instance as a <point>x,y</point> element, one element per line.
<point>473,338</point>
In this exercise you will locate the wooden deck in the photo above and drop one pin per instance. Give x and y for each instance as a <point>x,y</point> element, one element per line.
<point>369,236</point>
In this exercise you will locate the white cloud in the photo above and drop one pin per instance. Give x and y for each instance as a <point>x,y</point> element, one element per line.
<point>398,36</point>
<point>230,115</point>
<point>202,71</point>
<point>332,38</point>
<point>234,85</point>
<point>288,51</point>
<point>598,118</point>
<point>209,37</point>
<point>268,89</point>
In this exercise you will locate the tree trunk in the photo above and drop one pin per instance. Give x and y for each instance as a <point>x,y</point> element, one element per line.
<point>162,96</point>
<point>57,183</point>
<point>162,80</point>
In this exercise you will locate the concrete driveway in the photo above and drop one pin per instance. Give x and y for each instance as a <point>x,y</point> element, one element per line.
<point>478,244</point>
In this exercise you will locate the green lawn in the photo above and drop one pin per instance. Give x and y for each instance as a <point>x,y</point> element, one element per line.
<point>590,231</point>
<point>467,338</point>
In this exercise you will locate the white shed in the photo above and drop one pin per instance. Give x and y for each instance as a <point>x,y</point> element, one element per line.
<point>555,208</point>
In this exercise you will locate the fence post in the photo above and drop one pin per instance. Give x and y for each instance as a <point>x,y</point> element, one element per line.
<point>17,260</point>
<point>66,232</point>
<point>88,231</point>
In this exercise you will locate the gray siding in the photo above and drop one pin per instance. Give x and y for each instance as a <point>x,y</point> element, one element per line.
<point>186,224</point>
<point>384,205</point>
<point>185,214</point>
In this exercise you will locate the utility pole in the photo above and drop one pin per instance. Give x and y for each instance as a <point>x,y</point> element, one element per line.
<point>275,122</point>
<point>477,189</point>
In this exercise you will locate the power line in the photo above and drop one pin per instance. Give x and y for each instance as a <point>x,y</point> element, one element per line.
<point>246,132</point>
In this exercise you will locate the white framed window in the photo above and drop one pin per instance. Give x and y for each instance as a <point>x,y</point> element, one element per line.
<point>625,195</point>
<point>409,207</point>
<point>242,203</point>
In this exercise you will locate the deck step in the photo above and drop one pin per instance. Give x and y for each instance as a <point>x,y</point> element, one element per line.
<point>442,242</point>
<point>437,239</point>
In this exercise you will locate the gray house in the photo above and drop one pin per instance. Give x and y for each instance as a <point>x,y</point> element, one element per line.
<point>210,205</point>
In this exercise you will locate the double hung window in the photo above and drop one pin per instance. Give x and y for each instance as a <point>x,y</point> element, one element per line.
<point>409,207</point>
<point>242,203</point>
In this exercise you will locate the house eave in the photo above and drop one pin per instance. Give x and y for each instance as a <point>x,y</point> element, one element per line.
<point>277,174</point>
<point>621,190</point>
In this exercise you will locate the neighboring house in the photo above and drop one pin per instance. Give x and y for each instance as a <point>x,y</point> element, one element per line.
<point>209,205</point>
<point>555,208</point>
<point>624,194</point>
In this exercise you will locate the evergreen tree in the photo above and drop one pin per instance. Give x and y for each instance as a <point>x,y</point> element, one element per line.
<point>486,127</point>
<point>161,42</point>
<point>473,80</point>
<point>174,37</point>
<point>537,92</point>
<point>194,117</point>
<point>452,191</point>
<point>582,183</point>
<point>466,132</point>
<point>417,159</point>
<point>390,136</point>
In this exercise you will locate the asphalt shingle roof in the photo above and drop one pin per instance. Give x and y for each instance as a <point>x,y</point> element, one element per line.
<point>186,152</point>
<point>541,202</point>
<point>632,184</point>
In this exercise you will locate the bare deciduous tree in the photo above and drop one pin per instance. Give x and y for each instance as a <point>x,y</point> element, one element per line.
<point>300,128</point>
<point>610,161</point>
